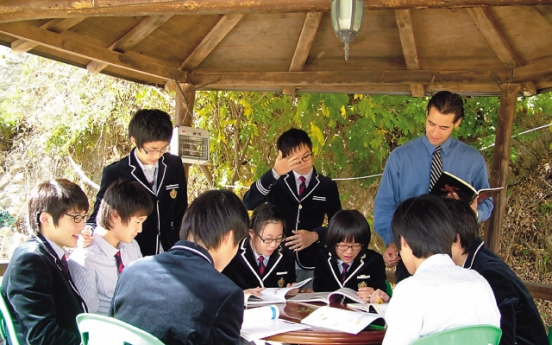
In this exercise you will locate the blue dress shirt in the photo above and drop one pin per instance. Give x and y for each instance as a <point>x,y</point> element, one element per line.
<point>407,174</point>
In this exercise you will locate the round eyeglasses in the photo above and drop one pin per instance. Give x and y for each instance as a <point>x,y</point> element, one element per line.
<point>344,247</point>
<point>77,218</point>
<point>272,240</point>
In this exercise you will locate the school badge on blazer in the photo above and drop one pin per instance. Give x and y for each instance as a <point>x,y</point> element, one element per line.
<point>173,193</point>
<point>362,284</point>
<point>281,282</point>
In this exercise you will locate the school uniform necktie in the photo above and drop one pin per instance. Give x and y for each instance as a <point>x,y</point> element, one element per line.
<point>344,273</point>
<point>302,185</point>
<point>64,264</point>
<point>436,167</point>
<point>261,265</point>
<point>119,262</point>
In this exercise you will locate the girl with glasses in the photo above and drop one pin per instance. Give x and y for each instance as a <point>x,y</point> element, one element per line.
<point>346,260</point>
<point>260,261</point>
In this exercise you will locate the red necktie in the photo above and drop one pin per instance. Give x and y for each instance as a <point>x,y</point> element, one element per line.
<point>119,262</point>
<point>261,265</point>
<point>344,273</point>
<point>302,186</point>
<point>64,263</point>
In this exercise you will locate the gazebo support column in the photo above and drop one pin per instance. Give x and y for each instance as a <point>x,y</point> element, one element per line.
<point>184,112</point>
<point>501,160</point>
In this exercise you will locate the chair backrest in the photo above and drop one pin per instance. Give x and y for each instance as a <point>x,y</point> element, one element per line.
<point>103,330</point>
<point>473,335</point>
<point>7,329</point>
<point>550,335</point>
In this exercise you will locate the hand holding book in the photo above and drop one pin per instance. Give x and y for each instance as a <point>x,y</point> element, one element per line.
<point>449,185</point>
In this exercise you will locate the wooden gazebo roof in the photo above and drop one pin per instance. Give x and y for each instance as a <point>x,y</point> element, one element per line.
<point>404,46</point>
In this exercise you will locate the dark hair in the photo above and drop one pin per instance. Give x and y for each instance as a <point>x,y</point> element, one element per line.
<point>348,225</point>
<point>54,197</point>
<point>212,215</point>
<point>291,140</point>
<point>128,198</point>
<point>266,213</point>
<point>464,222</point>
<point>447,103</point>
<point>149,125</point>
<point>425,224</point>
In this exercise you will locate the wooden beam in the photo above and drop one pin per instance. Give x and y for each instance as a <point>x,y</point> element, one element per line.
<point>214,79</point>
<point>533,71</point>
<point>545,11</point>
<point>213,38</point>
<point>304,45</point>
<point>184,115</point>
<point>16,10</point>
<point>54,25</point>
<point>130,39</point>
<point>408,42</point>
<point>501,160</point>
<point>74,44</point>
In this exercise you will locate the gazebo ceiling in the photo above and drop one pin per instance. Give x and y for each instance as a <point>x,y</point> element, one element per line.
<point>404,46</point>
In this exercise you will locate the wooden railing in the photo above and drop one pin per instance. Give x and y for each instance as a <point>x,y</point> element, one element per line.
<point>540,291</point>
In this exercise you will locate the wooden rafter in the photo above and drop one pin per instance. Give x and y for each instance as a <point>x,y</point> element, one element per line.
<point>15,10</point>
<point>399,77</point>
<point>304,45</point>
<point>54,25</point>
<point>546,11</point>
<point>213,38</point>
<point>77,45</point>
<point>131,38</point>
<point>408,42</point>
<point>499,43</point>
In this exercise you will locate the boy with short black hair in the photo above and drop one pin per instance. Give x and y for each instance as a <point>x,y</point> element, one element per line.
<point>520,320</point>
<point>161,174</point>
<point>95,269</point>
<point>180,296</point>
<point>303,195</point>
<point>439,295</point>
<point>37,285</point>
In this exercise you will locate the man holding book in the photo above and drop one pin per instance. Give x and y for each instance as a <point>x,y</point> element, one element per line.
<point>413,168</point>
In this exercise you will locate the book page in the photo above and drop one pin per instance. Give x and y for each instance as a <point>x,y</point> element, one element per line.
<point>273,295</point>
<point>310,297</point>
<point>341,320</point>
<point>346,292</point>
<point>263,322</point>
<point>377,308</point>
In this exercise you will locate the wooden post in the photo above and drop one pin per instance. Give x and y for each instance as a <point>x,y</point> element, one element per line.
<point>184,116</point>
<point>501,160</point>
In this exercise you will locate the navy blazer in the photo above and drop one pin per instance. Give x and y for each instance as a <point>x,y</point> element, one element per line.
<point>320,199</point>
<point>41,296</point>
<point>244,270</point>
<point>520,320</point>
<point>180,297</point>
<point>170,201</point>
<point>367,269</point>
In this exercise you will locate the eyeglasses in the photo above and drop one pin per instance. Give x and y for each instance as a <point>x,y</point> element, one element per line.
<point>156,152</point>
<point>307,157</point>
<point>78,218</point>
<point>271,240</point>
<point>344,247</point>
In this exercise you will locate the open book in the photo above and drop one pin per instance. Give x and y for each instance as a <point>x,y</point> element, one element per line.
<point>376,308</point>
<point>263,322</point>
<point>273,295</point>
<point>342,320</point>
<point>448,183</point>
<point>327,297</point>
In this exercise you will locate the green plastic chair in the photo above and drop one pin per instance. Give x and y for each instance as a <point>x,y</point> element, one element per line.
<point>550,335</point>
<point>7,329</point>
<point>472,335</point>
<point>103,330</point>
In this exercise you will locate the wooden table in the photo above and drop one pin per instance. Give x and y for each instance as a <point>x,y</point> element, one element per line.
<point>296,312</point>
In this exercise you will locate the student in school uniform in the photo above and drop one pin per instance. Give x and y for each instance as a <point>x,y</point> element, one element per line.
<point>260,261</point>
<point>346,260</point>
<point>95,269</point>
<point>37,285</point>
<point>161,173</point>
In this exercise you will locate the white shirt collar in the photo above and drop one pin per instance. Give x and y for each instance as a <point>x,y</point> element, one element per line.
<point>60,252</point>
<point>307,177</point>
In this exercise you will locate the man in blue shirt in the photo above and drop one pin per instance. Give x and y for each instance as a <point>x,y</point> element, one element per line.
<point>408,169</point>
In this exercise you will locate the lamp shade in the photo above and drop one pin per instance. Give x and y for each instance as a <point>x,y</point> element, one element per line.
<point>346,20</point>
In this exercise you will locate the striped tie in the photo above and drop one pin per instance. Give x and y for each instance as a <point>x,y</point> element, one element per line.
<point>436,167</point>
<point>302,186</point>
<point>344,273</point>
<point>119,262</point>
<point>261,265</point>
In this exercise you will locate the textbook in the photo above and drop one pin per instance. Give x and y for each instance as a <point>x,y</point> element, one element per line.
<point>327,297</point>
<point>263,322</point>
<point>448,183</point>
<point>376,308</point>
<point>342,320</point>
<point>273,295</point>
